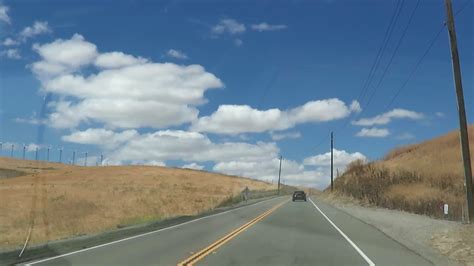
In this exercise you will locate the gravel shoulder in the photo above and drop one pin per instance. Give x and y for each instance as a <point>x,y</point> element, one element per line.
<point>441,242</point>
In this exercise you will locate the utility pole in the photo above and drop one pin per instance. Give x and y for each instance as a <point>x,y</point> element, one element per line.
<point>73,157</point>
<point>36,154</point>
<point>47,155</point>
<point>279,175</point>
<point>60,155</point>
<point>461,109</point>
<point>85,159</point>
<point>101,159</point>
<point>24,151</point>
<point>13,147</point>
<point>332,161</point>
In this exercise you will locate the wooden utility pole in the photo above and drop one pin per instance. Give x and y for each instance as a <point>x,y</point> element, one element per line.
<point>461,109</point>
<point>279,175</point>
<point>332,161</point>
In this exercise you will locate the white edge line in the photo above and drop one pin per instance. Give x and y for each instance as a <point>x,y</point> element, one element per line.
<point>366,258</point>
<point>144,234</point>
<point>26,242</point>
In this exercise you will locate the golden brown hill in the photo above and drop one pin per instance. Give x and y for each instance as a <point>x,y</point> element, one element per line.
<point>63,201</point>
<point>416,178</point>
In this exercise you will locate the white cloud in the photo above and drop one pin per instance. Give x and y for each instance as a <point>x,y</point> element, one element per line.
<point>182,145</point>
<point>292,172</point>
<point>194,166</point>
<point>10,42</point>
<point>355,107</point>
<point>123,113</point>
<point>176,54</point>
<point>32,121</point>
<point>32,147</point>
<point>38,27</point>
<point>4,14</point>
<point>63,56</point>
<point>230,26</point>
<point>440,114</point>
<point>267,27</point>
<point>387,117</point>
<point>126,91</point>
<point>258,161</point>
<point>373,132</point>
<point>405,136</point>
<point>171,145</point>
<point>150,163</point>
<point>238,42</point>
<point>101,137</point>
<point>341,158</point>
<point>285,135</point>
<point>117,60</point>
<point>234,119</point>
<point>258,170</point>
<point>11,53</point>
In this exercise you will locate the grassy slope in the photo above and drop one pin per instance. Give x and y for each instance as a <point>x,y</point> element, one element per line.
<point>413,178</point>
<point>63,201</point>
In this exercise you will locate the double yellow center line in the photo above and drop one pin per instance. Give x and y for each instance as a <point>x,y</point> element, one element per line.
<point>214,246</point>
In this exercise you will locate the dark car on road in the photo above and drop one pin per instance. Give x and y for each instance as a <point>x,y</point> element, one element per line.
<point>299,195</point>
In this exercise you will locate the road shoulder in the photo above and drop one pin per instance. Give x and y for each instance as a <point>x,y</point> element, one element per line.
<point>415,232</point>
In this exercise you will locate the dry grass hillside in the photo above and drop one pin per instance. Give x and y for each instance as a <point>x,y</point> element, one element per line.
<point>415,178</point>
<point>62,201</point>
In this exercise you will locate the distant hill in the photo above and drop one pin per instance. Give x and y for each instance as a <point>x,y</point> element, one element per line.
<point>62,201</point>
<point>416,178</point>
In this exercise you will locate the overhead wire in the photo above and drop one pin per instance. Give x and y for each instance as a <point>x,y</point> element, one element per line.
<point>375,64</point>
<point>387,67</point>
<point>381,50</point>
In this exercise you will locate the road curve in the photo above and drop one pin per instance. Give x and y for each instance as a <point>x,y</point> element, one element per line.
<point>272,232</point>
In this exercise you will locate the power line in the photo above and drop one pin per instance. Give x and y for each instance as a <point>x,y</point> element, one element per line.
<point>387,67</point>
<point>376,62</point>
<point>418,63</point>
<point>381,51</point>
<point>462,7</point>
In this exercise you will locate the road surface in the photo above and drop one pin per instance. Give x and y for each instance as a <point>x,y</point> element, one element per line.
<point>273,232</point>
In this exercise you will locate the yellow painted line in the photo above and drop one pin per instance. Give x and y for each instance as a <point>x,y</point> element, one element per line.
<point>214,246</point>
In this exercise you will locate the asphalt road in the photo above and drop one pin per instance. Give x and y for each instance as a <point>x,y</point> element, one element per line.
<point>272,232</point>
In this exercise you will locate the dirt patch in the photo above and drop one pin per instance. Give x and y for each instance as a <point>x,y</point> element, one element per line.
<point>9,173</point>
<point>456,243</point>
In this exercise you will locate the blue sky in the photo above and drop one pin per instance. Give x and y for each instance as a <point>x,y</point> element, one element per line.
<point>236,82</point>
